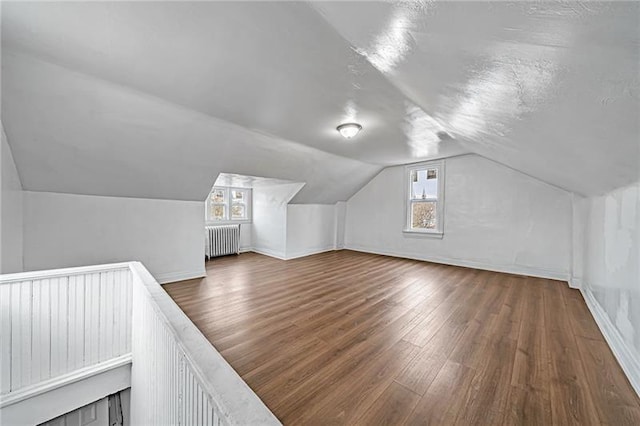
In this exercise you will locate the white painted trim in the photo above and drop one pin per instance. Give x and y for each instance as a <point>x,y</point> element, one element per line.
<point>509,269</point>
<point>439,165</point>
<point>64,380</point>
<point>309,252</point>
<point>227,222</point>
<point>245,249</point>
<point>65,272</point>
<point>422,234</point>
<point>180,276</point>
<point>227,206</point>
<point>575,282</point>
<point>270,253</point>
<point>626,357</point>
<point>69,397</point>
<point>296,255</point>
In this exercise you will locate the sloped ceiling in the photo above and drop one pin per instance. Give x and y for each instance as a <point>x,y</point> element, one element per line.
<point>155,100</point>
<point>550,88</point>
<point>73,133</point>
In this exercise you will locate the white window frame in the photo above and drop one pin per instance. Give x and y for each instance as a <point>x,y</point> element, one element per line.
<point>438,232</point>
<point>227,206</point>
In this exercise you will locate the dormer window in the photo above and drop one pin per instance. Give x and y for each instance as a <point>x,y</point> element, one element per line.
<point>228,205</point>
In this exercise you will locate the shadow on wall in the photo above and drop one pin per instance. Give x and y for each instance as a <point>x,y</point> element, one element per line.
<point>612,260</point>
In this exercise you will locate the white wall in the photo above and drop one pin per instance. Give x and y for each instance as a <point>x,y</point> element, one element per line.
<point>495,218</point>
<point>341,217</point>
<point>11,226</point>
<point>269,227</point>
<point>73,230</point>
<point>580,216</point>
<point>311,228</point>
<point>611,281</point>
<point>245,236</point>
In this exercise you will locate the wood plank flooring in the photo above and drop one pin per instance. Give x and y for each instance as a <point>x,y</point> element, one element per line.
<point>353,338</point>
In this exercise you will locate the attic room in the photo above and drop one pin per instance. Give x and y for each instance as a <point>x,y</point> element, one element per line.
<point>313,212</point>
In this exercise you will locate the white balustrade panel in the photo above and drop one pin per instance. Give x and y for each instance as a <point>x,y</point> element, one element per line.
<point>167,389</point>
<point>177,376</point>
<point>55,322</point>
<point>63,325</point>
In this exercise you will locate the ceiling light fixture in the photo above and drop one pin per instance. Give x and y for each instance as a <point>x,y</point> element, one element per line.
<point>349,130</point>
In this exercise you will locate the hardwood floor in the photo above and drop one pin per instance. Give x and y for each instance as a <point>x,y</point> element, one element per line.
<point>352,338</point>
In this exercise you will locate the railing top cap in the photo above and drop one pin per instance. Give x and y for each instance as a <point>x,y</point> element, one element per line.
<point>233,397</point>
<point>52,273</point>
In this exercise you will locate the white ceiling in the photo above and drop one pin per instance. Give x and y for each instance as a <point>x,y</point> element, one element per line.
<point>156,99</point>
<point>70,132</point>
<point>550,88</point>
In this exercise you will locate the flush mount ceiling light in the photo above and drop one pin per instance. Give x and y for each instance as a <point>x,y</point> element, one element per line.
<point>349,130</point>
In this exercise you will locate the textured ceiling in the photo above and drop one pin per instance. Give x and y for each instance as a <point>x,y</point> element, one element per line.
<point>549,88</point>
<point>156,99</point>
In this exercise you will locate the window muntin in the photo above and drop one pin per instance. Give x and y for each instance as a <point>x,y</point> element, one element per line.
<point>226,205</point>
<point>425,198</point>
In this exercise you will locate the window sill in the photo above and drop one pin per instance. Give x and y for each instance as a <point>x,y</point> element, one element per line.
<point>227,222</point>
<point>423,234</point>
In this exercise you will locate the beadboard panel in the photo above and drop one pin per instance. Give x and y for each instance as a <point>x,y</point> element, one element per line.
<point>177,375</point>
<point>57,324</point>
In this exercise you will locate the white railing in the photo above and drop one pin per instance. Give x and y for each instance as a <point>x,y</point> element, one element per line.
<point>196,385</point>
<point>53,323</point>
<point>59,326</point>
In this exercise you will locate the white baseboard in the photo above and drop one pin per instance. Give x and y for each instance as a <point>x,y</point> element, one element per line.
<point>309,252</point>
<point>626,357</point>
<point>180,276</point>
<point>281,256</point>
<point>269,252</point>
<point>509,269</point>
<point>575,282</point>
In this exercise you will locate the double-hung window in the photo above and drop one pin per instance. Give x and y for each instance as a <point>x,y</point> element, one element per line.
<point>228,205</point>
<point>425,198</point>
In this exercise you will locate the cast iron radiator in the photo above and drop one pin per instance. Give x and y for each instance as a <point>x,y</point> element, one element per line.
<point>221,240</point>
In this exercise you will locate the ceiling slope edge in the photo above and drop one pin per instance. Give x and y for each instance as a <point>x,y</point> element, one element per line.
<point>139,92</point>
<point>265,143</point>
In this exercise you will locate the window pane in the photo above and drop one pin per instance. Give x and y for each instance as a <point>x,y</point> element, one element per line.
<point>217,212</point>
<point>237,211</point>
<point>237,195</point>
<point>423,215</point>
<point>424,183</point>
<point>217,196</point>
